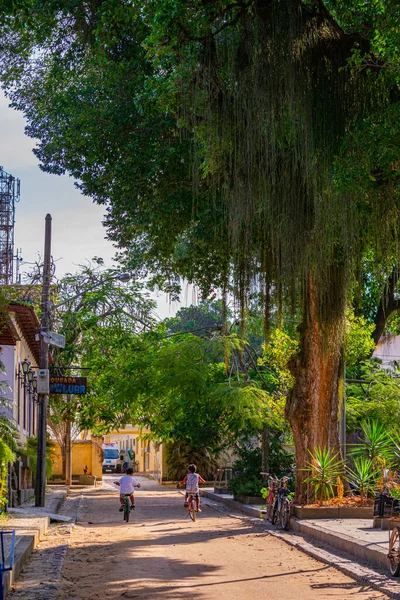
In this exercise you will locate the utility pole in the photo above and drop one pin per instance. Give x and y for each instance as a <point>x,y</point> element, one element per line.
<point>43,392</point>
<point>68,453</point>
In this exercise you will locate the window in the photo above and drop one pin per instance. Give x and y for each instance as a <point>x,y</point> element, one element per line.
<point>18,398</point>
<point>25,409</point>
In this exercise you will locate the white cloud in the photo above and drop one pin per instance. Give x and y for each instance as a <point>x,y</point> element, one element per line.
<point>15,146</point>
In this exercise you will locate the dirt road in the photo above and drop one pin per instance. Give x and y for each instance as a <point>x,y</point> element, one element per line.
<point>161,554</point>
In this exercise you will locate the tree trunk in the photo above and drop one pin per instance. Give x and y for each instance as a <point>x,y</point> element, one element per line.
<point>68,454</point>
<point>265,450</point>
<point>312,404</point>
<point>64,461</point>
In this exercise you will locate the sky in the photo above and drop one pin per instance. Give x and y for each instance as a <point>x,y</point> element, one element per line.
<point>77,231</point>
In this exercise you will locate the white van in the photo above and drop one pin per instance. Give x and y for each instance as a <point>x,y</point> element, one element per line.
<point>110,457</point>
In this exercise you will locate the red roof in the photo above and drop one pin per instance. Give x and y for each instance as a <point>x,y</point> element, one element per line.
<point>29,325</point>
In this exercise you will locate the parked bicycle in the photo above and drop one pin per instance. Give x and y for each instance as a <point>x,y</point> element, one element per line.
<point>273,486</point>
<point>282,506</point>
<point>394,545</point>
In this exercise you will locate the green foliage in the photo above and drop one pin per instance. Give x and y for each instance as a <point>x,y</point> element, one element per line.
<point>247,479</point>
<point>394,435</point>
<point>377,401</point>
<point>179,455</point>
<point>6,457</point>
<point>325,467</point>
<point>358,343</point>
<point>31,451</point>
<point>364,476</point>
<point>177,386</point>
<point>205,317</point>
<point>275,359</point>
<point>376,444</point>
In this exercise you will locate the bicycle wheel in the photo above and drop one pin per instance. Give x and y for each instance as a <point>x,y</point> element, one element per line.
<point>270,509</point>
<point>192,510</point>
<point>276,512</point>
<point>394,552</point>
<point>285,517</point>
<point>127,509</point>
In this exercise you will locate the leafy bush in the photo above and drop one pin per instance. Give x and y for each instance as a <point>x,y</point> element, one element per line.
<point>6,456</point>
<point>247,479</point>
<point>181,454</point>
<point>31,451</point>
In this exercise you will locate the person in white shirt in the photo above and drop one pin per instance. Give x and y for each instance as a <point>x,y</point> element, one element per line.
<point>127,483</point>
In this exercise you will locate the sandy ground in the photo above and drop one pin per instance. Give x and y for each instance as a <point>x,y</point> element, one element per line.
<point>161,554</point>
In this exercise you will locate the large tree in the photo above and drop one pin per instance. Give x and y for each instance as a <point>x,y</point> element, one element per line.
<point>222,136</point>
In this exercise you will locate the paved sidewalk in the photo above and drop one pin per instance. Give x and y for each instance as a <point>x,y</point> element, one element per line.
<point>40,575</point>
<point>31,525</point>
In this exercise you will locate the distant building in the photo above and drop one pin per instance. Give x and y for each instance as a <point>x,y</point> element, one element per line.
<point>147,455</point>
<point>17,344</point>
<point>388,351</point>
<point>19,327</point>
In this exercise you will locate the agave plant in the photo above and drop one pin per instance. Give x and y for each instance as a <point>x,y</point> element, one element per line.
<point>377,443</point>
<point>395,439</point>
<point>363,477</point>
<point>325,467</point>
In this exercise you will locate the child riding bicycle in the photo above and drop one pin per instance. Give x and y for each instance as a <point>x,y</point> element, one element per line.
<point>127,483</point>
<point>192,480</point>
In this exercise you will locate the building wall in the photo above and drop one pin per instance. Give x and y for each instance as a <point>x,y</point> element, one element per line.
<point>388,351</point>
<point>148,455</point>
<point>22,410</point>
<point>85,453</point>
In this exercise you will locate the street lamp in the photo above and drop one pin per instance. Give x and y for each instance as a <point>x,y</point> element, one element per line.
<point>25,367</point>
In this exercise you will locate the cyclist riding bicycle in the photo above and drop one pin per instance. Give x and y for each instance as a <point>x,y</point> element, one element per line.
<point>127,483</point>
<point>192,480</point>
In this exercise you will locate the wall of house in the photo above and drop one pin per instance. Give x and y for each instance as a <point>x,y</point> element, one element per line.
<point>85,453</point>
<point>148,456</point>
<point>388,351</point>
<point>22,409</point>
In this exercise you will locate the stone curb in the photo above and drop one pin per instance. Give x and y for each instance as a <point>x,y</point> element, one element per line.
<point>233,504</point>
<point>366,575</point>
<point>360,549</point>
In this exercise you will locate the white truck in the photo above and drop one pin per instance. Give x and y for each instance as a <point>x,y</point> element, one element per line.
<point>110,457</point>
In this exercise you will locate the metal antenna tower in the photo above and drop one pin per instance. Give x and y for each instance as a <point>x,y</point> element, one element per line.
<point>9,195</point>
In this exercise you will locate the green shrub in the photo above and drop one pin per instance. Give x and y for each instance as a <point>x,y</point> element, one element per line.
<point>363,477</point>
<point>6,457</point>
<point>180,454</point>
<point>31,451</point>
<point>325,467</point>
<point>376,444</point>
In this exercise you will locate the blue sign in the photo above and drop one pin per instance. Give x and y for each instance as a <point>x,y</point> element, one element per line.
<point>68,385</point>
